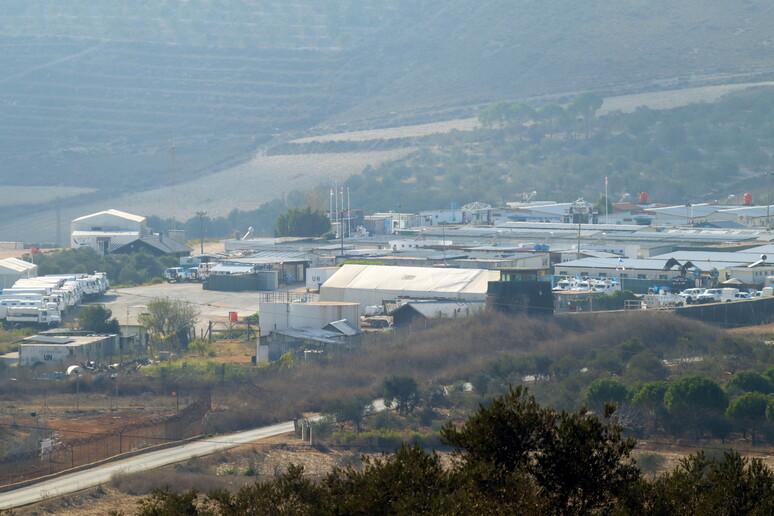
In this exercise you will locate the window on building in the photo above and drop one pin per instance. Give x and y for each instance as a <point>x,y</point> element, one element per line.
<point>624,275</point>
<point>662,276</point>
<point>641,276</point>
<point>603,275</point>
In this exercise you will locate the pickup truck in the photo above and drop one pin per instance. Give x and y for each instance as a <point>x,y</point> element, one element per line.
<point>691,295</point>
<point>735,295</point>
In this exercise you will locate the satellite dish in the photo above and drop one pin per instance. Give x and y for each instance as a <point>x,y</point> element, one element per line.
<point>763,257</point>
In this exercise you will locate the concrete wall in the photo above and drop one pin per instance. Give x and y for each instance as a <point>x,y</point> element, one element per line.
<point>731,315</point>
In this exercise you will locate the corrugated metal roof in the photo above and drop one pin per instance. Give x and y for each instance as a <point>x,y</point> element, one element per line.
<point>692,211</point>
<point>15,264</point>
<point>342,327</point>
<point>46,339</point>
<point>431,309</point>
<point>612,263</point>
<point>166,245</point>
<point>271,257</point>
<point>750,211</point>
<point>116,213</point>
<point>713,256</point>
<point>234,268</point>
<point>313,334</point>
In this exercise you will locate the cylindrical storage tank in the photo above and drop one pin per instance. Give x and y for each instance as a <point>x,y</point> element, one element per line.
<point>643,197</point>
<point>747,199</point>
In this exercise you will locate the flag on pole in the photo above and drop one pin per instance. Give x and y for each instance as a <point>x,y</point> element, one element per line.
<point>605,180</point>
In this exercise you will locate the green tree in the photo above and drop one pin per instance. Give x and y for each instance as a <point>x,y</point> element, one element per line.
<point>551,114</point>
<point>748,412</point>
<point>170,320</point>
<point>97,318</point>
<point>585,465</point>
<point>302,222</point>
<point>731,485</point>
<point>497,114</point>
<point>291,493</point>
<point>605,390</point>
<point>403,391</point>
<point>749,381</point>
<point>580,463</point>
<point>650,398</point>
<point>695,400</point>
<point>646,367</point>
<point>352,409</point>
<point>586,105</point>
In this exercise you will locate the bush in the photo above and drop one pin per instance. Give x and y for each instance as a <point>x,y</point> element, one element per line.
<point>650,463</point>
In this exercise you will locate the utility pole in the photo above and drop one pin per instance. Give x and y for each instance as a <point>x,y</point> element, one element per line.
<point>768,204</point>
<point>201,215</point>
<point>78,392</point>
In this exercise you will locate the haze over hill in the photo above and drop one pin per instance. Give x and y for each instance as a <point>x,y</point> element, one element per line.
<point>97,96</point>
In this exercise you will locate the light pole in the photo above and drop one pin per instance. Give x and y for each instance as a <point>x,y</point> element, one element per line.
<point>201,215</point>
<point>578,209</point>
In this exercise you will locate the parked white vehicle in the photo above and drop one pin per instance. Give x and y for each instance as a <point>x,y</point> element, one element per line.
<point>691,295</point>
<point>734,294</point>
<point>662,300</point>
<point>47,315</point>
<point>711,295</point>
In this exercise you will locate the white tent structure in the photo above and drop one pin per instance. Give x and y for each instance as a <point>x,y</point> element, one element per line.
<point>106,230</point>
<point>371,284</point>
<point>13,269</point>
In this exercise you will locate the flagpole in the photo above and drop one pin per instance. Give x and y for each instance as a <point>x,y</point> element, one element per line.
<point>607,200</point>
<point>349,214</point>
<point>336,195</point>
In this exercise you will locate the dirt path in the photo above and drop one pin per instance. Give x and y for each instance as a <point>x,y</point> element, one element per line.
<point>624,103</point>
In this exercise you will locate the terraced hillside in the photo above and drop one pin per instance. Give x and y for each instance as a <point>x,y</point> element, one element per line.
<point>96,94</point>
<point>111,89</point>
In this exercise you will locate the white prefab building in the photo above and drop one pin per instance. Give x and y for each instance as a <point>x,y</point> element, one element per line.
<point>65,350</point>
<point>13,269</point>
<point>281,316</point>
<point>106,230</point>
<point>370,285</point>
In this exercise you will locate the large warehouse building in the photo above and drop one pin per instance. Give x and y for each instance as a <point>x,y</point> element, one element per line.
<point>370,285</point>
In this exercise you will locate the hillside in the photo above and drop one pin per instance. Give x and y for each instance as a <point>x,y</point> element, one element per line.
<point>99,96</point>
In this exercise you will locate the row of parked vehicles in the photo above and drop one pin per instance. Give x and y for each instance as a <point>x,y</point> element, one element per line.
<point>42,300</point>
<point>666,299</point>
<point>199,273</point>
<point>720,295</point>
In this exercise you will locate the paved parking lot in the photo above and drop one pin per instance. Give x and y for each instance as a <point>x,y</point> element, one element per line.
<point>128,303</point>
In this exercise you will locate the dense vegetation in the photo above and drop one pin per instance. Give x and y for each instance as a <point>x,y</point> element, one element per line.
<point>302,222</point>
<point>513,457</point>
<point>724,147</point>
<point>121,269</point>
<point>689,153</point>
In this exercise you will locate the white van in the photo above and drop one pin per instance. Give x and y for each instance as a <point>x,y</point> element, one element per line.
<point>733,294</point>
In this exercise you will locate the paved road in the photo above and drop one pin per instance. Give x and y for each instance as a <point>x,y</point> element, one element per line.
<point>93,477</point>
<point>102,474</point>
